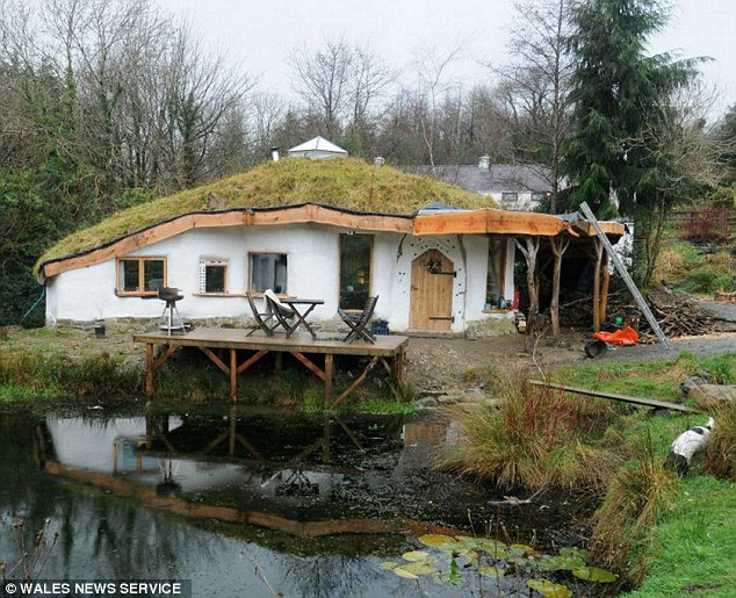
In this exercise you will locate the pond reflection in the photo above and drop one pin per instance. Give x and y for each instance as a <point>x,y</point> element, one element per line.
<point>237,501</point>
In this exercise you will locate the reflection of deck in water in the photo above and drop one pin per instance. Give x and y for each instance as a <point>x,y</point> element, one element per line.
<point>282,473</point>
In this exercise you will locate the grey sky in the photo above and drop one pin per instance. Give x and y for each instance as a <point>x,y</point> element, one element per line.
<point>260,34</point>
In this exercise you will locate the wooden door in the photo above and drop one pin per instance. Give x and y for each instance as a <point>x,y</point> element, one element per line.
<point>432,278</point>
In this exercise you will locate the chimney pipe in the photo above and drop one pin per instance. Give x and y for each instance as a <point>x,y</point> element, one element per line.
<point>275,154</point>
<point>484,162</point>
<point>379,160</point>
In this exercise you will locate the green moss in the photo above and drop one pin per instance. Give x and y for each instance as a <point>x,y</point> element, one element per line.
<point>347,183</point>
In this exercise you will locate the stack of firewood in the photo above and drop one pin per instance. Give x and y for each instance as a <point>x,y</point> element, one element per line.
<point>676,313</point>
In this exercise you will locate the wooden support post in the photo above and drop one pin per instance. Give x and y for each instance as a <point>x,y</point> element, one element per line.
<point>309,364</point>
<point>216,360</point>
<point>529,250</point>
<point>357,382</point>
<point>329,364</point>
<point>233,375</point>
<point>597,286</point>
<point>251,360</point>
<point>559,246</point>
<point>604,289</point>
<point>150,370</point>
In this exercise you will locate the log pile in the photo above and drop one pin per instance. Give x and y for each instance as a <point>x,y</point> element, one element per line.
<point>677,314</point>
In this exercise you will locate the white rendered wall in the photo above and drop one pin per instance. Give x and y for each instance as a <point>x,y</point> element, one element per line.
<point>313,271</point>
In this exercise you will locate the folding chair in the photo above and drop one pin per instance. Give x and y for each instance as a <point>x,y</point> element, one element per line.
<point>264,320</point>
<point>358,322</point>
<point>282,313</point>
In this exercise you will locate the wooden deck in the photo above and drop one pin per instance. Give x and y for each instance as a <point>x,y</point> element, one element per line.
<point>388,351</point>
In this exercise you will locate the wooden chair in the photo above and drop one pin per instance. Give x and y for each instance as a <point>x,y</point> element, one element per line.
<point>264,320</point>
<point>282,313</point>
<point>358,322</point>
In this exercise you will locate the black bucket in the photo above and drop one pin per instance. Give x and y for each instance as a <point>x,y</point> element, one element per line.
<point>595,348</point>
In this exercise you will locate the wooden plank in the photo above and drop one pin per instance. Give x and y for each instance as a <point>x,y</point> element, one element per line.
<point>233,380</point>
<point>588,213</point>
<point>227,338</point>
<point>215,359</point>
<point>329,375</point>
<point>310,365</point>
<point>486,221</point>
<point>653,403</point>
<point>150,386</point>
<point>356,383</point>
<point>168,353</point>
<point>251,360</point>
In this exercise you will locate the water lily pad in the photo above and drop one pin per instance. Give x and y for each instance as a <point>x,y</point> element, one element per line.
<point>492,572</point>
<point>567,560</point>
<point>595,574</point>
<point>419,568</point>
<point>388,565</point>
<point>522,549</point>
<point>415,555</point>
<point>401,572</point>
<point>436,540</point>
<point>549,589</point>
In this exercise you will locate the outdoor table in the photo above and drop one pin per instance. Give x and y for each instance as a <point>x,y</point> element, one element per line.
<point>293,302</point>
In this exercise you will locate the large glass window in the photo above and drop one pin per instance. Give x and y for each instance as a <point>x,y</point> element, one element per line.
<point>141,275</point>
<point>268,271</point>
<point>496,271</point>
<point>355,270</point>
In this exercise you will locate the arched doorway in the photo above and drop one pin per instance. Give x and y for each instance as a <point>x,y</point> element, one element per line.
<point>432,277</point>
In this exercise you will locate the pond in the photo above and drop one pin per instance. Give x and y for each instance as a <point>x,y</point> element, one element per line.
<point>262,503</point>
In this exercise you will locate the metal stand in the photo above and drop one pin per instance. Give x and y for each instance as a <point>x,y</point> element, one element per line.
<point>173,322</point>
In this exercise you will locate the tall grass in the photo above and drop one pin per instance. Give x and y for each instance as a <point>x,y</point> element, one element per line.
<point>534,437</point>
<point>42,374</point>
<point>720,453</point>
<point>636,497</point>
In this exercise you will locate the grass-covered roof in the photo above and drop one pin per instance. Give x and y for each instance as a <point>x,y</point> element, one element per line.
<point>346,183</point>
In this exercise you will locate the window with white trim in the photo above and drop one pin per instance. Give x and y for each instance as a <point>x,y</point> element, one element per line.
<point>212,276</point>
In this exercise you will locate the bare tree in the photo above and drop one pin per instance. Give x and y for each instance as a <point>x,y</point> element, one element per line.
<point>322,79</point>
<point>432,66</point>
<point>535,85</point>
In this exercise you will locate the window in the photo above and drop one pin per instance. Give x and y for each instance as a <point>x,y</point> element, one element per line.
<point>213,276</point>
<point>355,270</point>
<point>141,275</point>
<point>496,271</point>
<point>508,197</point>
<point>268,271</point>
<point>537,197</point>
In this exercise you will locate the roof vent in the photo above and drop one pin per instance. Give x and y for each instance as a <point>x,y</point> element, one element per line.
<point>379,160</point>
<point>484,162</point>
<point>275,154</point>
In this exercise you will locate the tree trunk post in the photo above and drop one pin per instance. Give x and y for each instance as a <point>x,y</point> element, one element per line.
<point>597,286</point>
<point>529,251</point>
<point>604,288</point>
<point>559,246</point>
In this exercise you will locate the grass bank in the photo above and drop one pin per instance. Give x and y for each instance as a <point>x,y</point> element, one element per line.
<point>668,536</point>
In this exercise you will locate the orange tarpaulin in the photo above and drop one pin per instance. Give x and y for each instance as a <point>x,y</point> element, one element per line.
<point>625,336</point>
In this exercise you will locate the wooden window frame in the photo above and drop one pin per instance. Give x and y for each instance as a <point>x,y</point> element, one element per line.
<point>217,262</point>
<point>339,266</point>
<point>250,272</point>
<point>141,292</point>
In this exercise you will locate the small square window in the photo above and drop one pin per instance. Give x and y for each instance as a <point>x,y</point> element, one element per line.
<point>509,197</point>
<point>141,275</point>
<point>213,277</point>
<point>538,197</point>
<point>268,271</point>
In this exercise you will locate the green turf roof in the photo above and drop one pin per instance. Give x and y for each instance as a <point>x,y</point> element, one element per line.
<point>346,183</point>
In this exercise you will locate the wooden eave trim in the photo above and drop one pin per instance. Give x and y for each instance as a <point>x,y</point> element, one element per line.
<point>482,221</point>
<point>489,221</point>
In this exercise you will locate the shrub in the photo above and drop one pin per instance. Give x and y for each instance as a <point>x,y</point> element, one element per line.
<point>639,492</point>
<point>532,438</point>
<point>720,453</point>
